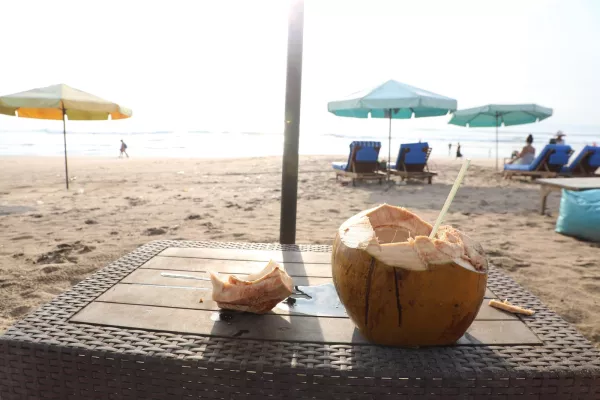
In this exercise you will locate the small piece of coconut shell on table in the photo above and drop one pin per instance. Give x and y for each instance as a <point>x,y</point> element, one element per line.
<point>258,293</point>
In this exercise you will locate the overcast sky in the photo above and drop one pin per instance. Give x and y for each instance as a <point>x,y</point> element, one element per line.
<point>221,64</point>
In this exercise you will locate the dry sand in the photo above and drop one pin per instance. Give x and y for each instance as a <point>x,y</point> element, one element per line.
<point>50,238</point>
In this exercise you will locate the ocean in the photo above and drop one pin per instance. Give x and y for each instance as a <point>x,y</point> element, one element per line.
<point>475,142</point>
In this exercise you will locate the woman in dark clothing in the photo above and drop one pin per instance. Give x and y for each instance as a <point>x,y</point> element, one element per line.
<point>123,149</point>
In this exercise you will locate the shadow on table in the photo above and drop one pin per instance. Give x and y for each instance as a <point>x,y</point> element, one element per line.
<point>289,326</point>
<point>325,342</point>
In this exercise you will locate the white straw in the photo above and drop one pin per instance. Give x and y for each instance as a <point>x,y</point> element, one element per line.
<point>168,275</point>
<point>457,182</point>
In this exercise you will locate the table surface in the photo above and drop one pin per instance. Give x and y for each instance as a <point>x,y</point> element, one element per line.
<point>129,309</point>
<point>145,299</point>
<point>572,183</point>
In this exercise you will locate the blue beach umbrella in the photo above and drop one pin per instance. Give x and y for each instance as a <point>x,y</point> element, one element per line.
<point>392,99</point>
<point>498,115</point>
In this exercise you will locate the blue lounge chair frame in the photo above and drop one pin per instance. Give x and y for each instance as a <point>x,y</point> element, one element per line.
<point>547,164</point>
<point>412,162</point>
<point>585,164</point>
<point>362,163</point>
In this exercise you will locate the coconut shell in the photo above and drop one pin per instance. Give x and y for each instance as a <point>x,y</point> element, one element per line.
<point>416,304</point>
<point>258,293</point>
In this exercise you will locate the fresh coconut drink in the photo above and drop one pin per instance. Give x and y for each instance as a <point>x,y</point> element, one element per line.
<point>405,282</point>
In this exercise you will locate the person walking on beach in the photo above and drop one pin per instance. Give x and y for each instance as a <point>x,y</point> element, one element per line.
<point>449,148</point>
<point>458,153</point>
<point>527,154</point>
<point>123,149</point>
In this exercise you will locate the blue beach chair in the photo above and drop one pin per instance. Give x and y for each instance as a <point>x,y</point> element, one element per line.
<point>547,164</point>
<point>586,163</point>
<point>412,162</point>
<point>362,163</point>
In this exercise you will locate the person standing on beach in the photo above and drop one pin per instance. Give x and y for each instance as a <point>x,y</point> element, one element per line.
<point>123,149</point>
<point>458,153</point>
<point>449,148</point>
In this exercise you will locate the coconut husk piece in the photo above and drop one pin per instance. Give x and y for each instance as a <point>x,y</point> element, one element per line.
<point>506,306</point>
<point>258,293</point>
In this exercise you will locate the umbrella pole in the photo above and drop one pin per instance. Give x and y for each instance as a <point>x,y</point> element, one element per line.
<point>496,141</point>
<point>293,88</point>
<point>389,148</point>
<point>65,141</point>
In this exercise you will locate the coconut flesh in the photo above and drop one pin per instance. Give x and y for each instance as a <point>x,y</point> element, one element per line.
<point>400,238</point>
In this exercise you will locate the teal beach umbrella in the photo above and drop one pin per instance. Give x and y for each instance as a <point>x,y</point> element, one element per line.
<point>392,99</point>
<point>498,115</point>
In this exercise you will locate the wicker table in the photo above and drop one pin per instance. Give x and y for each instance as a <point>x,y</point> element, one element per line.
<point>557,184</point>
<point>126,333</point>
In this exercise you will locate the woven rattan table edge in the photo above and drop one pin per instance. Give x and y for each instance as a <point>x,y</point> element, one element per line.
<point>48,332</point>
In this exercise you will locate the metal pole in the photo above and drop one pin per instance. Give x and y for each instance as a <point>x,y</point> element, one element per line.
<point>389,148</point>
<point>293,86</point>
<point>65,140</point>
<point>496,141</point>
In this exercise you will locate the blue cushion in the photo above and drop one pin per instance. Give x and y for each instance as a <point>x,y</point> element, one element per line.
<point>339,165</point>
<point>416,155</point>
<point>369,151</point>
<point>519,167</point>
<point>580,214</point>
<point>559,157</point>
<point>367,154</point>
<point>593,161</point>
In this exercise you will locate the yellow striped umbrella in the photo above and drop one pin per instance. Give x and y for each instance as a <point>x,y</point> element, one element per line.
<point>56,102</point>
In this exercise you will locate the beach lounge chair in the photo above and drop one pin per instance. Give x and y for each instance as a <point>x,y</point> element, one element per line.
<point>362,163</point>
<point>547,164</point>
<point>585,164</point>
<point>412,162</point>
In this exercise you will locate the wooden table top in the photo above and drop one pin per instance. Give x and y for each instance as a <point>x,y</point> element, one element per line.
<point>144,299</point>
<point>576,184</point>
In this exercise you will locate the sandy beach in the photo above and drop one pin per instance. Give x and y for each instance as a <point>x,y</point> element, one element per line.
<point>51,238</point>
